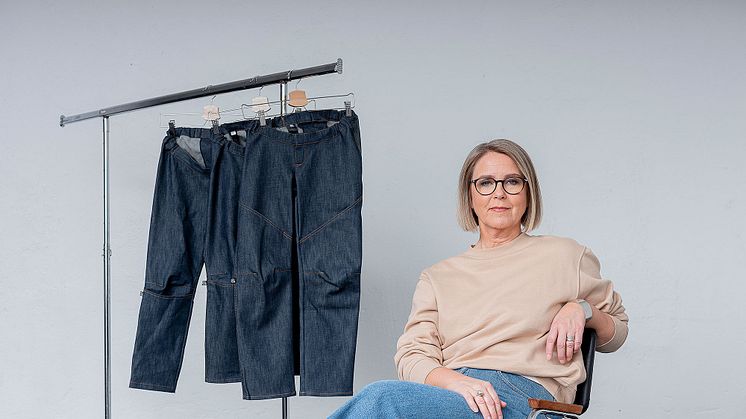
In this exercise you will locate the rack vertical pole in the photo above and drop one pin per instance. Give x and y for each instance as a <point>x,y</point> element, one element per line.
<point>283,98</point>
<point>107,275</point>
<point>284,111</point>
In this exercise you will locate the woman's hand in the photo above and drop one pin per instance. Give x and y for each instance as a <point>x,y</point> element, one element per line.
<point>479,395</point>
<point>566,333</point>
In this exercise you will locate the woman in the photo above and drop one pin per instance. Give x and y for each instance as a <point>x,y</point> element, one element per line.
<point>503,321</point>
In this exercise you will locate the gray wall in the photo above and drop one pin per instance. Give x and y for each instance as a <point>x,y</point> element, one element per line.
<point>632,111</point>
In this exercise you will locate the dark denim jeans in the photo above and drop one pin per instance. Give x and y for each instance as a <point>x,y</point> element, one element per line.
<point>299,256</point>
<point>254,211</point>
<point>192,223</point>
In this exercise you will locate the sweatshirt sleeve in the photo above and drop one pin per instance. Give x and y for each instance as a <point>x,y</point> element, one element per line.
<point>418,350</point>
<point>600,292</point>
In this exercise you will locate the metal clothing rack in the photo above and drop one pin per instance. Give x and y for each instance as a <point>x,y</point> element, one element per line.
<point>281,78</point>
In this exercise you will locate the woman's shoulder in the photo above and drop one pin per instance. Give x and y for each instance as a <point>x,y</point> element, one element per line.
<point>556,242</point>
<point>445,265</point>
<point>556,245</point>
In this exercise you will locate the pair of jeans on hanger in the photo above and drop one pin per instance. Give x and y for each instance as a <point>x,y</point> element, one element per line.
<point>274,214</point>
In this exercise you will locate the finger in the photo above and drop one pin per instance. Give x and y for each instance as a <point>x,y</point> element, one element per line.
<point>482,405</point>
<point>561,339</point>
<point>490,402</point>
<point>470,401</point>
<point>578,340</point>
<point>570,349</point>
<point>499,404</point>
<point>551,339</point>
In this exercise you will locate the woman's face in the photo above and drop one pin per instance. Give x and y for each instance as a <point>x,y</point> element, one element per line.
<point>499,210</point>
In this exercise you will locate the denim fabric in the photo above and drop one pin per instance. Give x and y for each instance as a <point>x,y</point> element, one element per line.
<point>192,224</point>
<point>222,363</point>
<point>275,217</point>
<point>403,399</point>
<point>298,260</point>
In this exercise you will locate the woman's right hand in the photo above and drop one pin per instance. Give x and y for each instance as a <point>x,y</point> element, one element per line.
<point>488,403</point>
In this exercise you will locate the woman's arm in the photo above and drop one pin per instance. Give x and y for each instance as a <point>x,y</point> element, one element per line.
<point>418,350</point>
<point>419,357</point>
<point>611,324</point>
<point>609,318</point>
<point>602,323</point>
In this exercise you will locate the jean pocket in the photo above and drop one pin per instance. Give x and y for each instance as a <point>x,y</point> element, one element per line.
<point>512,385</point>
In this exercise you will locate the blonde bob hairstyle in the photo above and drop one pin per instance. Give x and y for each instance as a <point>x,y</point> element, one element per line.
<point>467,218</point>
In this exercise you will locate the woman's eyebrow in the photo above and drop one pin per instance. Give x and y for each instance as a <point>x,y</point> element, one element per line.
<point>509,175</point>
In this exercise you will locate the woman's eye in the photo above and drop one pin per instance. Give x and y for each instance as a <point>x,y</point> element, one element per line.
<point>486,182</point>
<point>512,181</point>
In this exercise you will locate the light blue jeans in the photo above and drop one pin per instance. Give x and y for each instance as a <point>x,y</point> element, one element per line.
<point>404,399</point>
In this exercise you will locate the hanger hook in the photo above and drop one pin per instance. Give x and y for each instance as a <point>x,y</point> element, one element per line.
<point>297,83</point>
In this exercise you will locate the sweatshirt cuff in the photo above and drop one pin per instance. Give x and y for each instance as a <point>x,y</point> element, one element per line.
<point>421,369</point>
<point>616,341</point>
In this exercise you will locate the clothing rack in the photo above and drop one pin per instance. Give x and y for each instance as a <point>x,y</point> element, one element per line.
<point>281,78</point>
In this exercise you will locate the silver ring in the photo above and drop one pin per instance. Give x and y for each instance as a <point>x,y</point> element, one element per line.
<point>570,338</point>
<point>480,393</point>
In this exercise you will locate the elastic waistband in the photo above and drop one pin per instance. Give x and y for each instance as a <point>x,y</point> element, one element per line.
<point>205,133</point>
<point>220,138</point>
<point>343,124</point>
<point>238,126</point>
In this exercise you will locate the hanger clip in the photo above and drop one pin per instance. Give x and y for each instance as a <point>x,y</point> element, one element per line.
<point>348,108</point>
<point>172,127</point>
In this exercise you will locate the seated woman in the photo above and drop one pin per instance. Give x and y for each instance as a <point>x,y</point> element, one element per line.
<point>503,321</point>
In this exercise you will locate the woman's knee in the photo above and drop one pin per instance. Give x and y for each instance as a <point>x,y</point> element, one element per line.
<point>381,389</point>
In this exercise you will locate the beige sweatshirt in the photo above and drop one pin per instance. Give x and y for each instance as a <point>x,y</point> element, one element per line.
<point>492,309</point>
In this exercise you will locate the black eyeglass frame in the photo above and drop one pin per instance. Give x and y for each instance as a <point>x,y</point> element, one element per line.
<point>502,185</point>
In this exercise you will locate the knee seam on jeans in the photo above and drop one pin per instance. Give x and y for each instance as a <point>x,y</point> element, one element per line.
<point>267,220</point>
<point>337,215</point>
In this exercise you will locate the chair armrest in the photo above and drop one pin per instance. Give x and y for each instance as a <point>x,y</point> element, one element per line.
<point>557,406</point>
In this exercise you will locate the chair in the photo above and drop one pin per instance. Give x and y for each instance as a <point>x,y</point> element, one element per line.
<point>583,394</point>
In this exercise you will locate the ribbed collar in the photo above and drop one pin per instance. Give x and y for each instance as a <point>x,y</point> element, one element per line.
<point>518,243</point>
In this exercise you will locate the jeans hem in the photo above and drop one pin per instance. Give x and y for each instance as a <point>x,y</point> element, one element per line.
<point>269,396</point>
<point>236,379</point>
<point>152,387</point>
<point>311,393</point>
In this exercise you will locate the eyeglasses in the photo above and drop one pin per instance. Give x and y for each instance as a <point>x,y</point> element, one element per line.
<point>487,185</point>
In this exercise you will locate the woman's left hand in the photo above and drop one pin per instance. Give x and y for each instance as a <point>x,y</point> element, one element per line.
<point>566,333</point>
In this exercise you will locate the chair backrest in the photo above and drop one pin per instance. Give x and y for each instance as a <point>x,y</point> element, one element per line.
<point>588,349</point>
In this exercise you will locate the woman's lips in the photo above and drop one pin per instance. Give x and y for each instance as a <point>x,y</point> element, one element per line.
<point>499,209</point>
